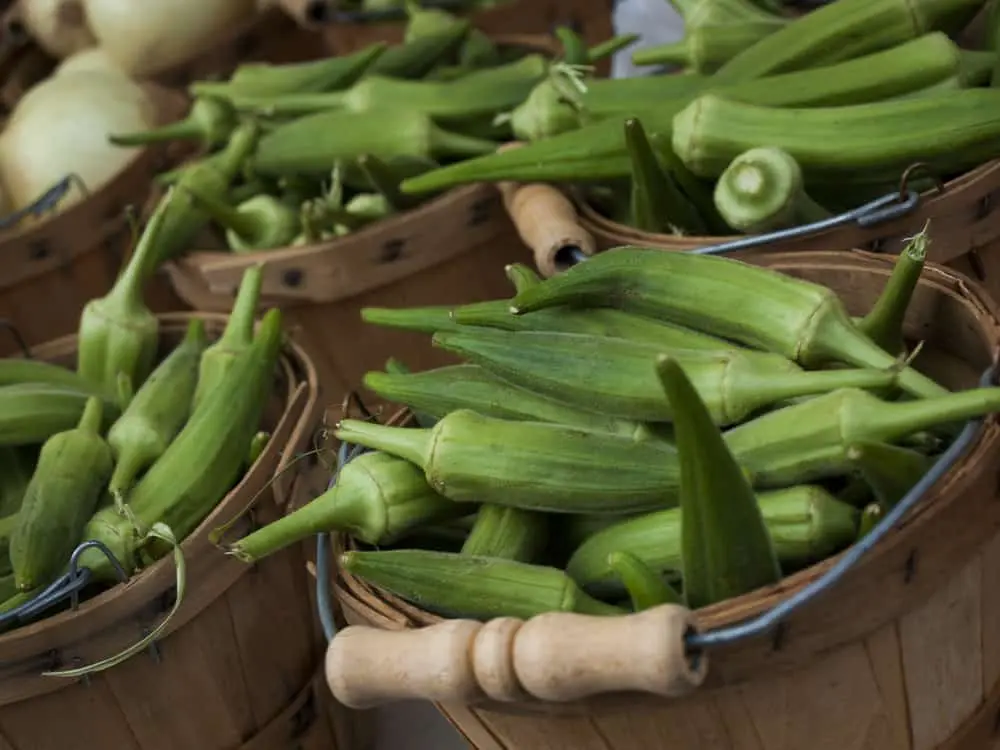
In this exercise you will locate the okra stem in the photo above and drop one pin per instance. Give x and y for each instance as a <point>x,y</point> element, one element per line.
<point>413,444</point>
<point>889,470</point>
<point>645,587</point>
<point>608,48</point>
<point>211,120</point>
<point>420,319</point>
<point>884,322</point>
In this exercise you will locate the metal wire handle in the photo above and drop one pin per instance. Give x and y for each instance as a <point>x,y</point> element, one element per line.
<point>46,202</point>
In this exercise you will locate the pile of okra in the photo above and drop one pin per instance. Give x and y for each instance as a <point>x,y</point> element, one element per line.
<point>300,154</point>
<point>646,427</point>
<point>760,120</point>
<point>138,443</point>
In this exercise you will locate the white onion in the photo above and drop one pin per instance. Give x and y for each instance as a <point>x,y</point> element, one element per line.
<point>58,26</point>
<point>148,37</point>
<point>61,127</point>
<point>94,60</point>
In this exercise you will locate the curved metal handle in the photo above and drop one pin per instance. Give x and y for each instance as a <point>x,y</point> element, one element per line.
<point>557,657</point>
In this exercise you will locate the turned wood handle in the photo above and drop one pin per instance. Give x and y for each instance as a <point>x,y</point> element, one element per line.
<point>564,657</point>
<point>546,221</point>
<point>553,657</point>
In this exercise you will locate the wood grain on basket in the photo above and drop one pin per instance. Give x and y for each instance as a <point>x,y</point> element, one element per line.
<point>862,666</point>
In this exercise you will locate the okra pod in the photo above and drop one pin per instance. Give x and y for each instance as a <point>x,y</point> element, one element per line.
<point>417,57</point>
<point>508,534</point>
<point>478,587</point>
<point>15,472</point>
<point>759,307</point>
<point>884,322</point>
<point>806,524</point>
<point>889,470</point>
<point>377,499</point>
<point>211,120</point>
<point>811,439</point>
<point>726,550</point>
<point>443,390</point>
<point>545,467</point>
<point>646,588</point>
<point>871,516</point>
<point>617,377</point>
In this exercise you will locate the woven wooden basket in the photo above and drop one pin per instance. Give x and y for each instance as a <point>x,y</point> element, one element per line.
<point>237,667</point>
<point>900,655</point>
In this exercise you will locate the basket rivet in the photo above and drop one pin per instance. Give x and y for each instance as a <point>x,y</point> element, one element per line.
<point>479,212</point>
<point>39,250</point>
<point>910,567</point>
<point>983,206</point>
<point>392,250</point>
<point>293,277</point>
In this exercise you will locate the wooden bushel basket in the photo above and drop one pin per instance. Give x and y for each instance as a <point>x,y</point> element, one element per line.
<point>450,250</point>
<point>590,18</point>
<point>902,654</point>
<point>237,666</point>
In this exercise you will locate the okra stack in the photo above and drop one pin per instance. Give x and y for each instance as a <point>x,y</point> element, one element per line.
<point>136,445</point>
<point>645,427</point>
<point>771,122</point>
<point>300,154</point>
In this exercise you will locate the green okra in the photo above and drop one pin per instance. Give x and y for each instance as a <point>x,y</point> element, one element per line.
<point>759,307</point>
<point>484,92</point>
<point>597,150</point>
<point>646,588</point>
<point>884,322</point>
<point>377,499</point>
<point>726,550</point>
<point>478,587</point>
<point>417,57</point>
<point>617,377</point>
<point>393,367</point>
<point>309,145</point>
<point>891,471</point>
<point>269,79</point>
<point>385,180</point>
<point>658,204</point>
<point>805,522</point>
<point>211,121</point>
<point>507,534</point>
<point>871,517</point>
<point>811,440</point>
<point>443,390</point>
<point>14,476</point>
<point>521,276</point>
<point>844,30</point>
<point>540,466</point>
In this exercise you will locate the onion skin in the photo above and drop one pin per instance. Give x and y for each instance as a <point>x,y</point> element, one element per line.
<point>150,38</point>
<point>58,26</point>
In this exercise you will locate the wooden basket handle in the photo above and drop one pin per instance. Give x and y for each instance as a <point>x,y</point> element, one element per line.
<point>556,657</point>
<point>546,221</point>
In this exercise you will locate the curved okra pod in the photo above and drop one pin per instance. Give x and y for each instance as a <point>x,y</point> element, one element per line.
<point>508,534</point>
<point>891,471</point>
<point>756,306</point>
<point>645,587</point>
<point>726,550</point>
<point>615,377</point>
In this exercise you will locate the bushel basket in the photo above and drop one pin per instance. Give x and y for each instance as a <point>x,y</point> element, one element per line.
<point>899,653</point>
<point>237,665</point>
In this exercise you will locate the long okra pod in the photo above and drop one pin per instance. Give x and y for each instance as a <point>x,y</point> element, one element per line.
<point>211,121</point>
<point>480,587</point>
<point>756,306</point>
<point>542,466</point>
<point>377,498</point>
<point>811,439</point>
<point>806,525</point>
<point>726,550</point>
<point>616,377</point>
<point>884,322</point>
<point>417,57</point>
<point>443,390</point>
<point>156,414</point>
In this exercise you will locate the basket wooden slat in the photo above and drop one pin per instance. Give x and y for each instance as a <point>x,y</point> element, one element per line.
<point>236,667</point>
<point>900,655</point>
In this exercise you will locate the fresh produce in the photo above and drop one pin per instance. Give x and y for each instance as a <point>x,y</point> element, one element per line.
<point>687,511</point>
<point>58,26</point>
